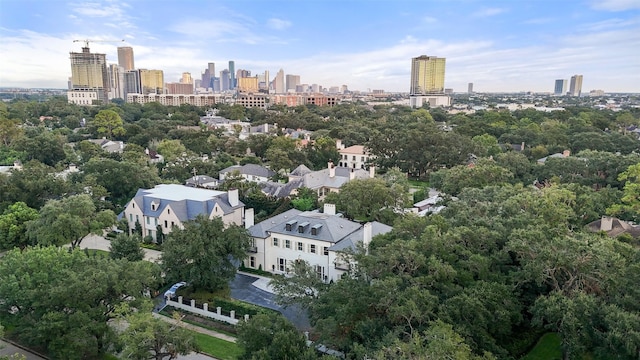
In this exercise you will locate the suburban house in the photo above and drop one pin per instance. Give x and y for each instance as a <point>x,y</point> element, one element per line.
<point>329,179</point>
<point>561,155</point>
<point>202,181</point>
<point>614,227</point>
<point>320,238</point>
<point>355,157</point>
<point>250,172</point>
<point>109,145</point>
<point>169,205</point>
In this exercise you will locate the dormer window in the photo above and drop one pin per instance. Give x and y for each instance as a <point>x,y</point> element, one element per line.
<point>290,224</point>
<point>302,227</point>
<point>154,205</point>
<point>315,229</point>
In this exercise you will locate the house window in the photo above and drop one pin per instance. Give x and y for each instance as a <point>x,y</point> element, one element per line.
<point>320,272</point>
<point>130,217</point>
<point>287,244</point>
<point>312,248</point>
<point>133,205</point>
<point>137,219</point>
<point>165,224</point>
<point>168,211</point>
<point>148,221</point>
<point>153,207</point>
<point>362,158</point>
<point>299,246</point>
<point>275,242</point>
<point>172,224</point>
<point>325,250</point>
<point>282,264</point>
<point>149,232</point>
<point>354,158</point>
<point>252,262</point>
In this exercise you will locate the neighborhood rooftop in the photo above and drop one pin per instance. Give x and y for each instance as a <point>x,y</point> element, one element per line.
<point>175,192</point>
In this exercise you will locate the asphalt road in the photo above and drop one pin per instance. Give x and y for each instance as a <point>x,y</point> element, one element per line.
<point>242,289</point>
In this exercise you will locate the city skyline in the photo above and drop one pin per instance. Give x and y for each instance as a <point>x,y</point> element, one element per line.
<point>497,45</point>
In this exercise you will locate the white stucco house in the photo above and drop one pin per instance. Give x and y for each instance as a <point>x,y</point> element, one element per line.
<point>171,205</point>
<point>316,237</point>
<point>354,157</point>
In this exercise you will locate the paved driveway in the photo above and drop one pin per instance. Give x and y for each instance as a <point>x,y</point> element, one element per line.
<point>242,289</point>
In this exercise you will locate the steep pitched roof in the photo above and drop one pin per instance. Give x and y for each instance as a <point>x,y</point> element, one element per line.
<point>351,241</point>
<point>317,226</point>
<point>261,229</point>
<point>186,202</point>
<point>250,169</point>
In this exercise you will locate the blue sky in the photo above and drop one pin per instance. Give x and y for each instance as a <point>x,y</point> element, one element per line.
<point>503,45</point>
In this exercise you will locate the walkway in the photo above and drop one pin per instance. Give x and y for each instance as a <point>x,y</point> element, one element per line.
<point>8,349</point>
<point>96,242</point>
<point>197,329</point>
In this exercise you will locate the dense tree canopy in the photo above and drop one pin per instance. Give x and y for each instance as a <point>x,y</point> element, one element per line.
<point>204,253</point>
<point>50,290</point>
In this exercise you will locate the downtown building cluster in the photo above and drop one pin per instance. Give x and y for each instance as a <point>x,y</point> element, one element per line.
<point>94,81</point>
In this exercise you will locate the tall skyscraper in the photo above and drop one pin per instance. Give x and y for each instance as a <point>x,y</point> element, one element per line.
<point>224,80</point>
<point>561,87</point>
<point>427,75</point>
<point>292,82</point>
<point>151,81</point>
<point>575,88</point>
<point>186,78</point>
<point>212,74</point>
<point>232,74</point>
<point>116,81</point>
<point>279,84</point>
<point>132,83</point>
<point>470,88</point>
<point>89,73</point>
<point>125,58</point>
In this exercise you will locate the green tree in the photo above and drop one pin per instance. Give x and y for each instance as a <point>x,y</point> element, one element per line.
<point>61,300</point>
<point>13,225</point>
<point>108,123</point>
<point>631,194</point>
<point>369,199</point>
<point>149,338</point>
<point>68,221</point>
<point>204,253</point>
<point>126,246</point>
<point>272,337</point>
<point>302,286</point>
<point>171,149</point>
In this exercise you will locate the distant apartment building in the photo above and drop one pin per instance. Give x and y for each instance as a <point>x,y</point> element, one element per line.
<point>575,87</point>
<point>179,88</point>
<point>248,84</point>
<point>131,83</point>
<point>151,81</point>
<point>354,157</point>
<point>225,81</point>
<point>89,78</point>
<point>175,99</point>
<point>252,100</point>
<point>232,74</point>
<point>560,87</point>
<point>291,82</point>
<point>427,75</point>
<point>470,88</point>
<point>116,82</point>
<point>125,58</point>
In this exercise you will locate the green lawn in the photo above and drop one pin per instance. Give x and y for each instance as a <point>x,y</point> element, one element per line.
<point>217,348</point>
<point>547,348</point>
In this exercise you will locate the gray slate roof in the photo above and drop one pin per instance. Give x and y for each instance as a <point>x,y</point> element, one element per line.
<point>250,169</point>
<point>350,243</point>
<point>187,202</point>
<point>321,178</point>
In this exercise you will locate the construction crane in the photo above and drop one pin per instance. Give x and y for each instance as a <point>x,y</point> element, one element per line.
<point>87,41</point>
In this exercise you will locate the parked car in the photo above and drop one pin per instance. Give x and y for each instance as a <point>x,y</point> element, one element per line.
<point>171,293</point>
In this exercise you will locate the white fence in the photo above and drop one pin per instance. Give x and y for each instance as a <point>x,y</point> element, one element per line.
<point>204,311</point>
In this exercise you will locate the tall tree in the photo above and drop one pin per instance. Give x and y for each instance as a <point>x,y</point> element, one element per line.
<point>108,123</point>
<point>13,225</point>
<point>68,221</point>
<point>204,253</point>
<point>149,338</point>
<point>61,300</point>
<point>126,246</point>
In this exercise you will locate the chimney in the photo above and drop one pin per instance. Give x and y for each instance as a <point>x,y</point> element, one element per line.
<point>606,223</point>
<point>372,171</point>
<point>352,174</point>
<point>566,153</point>
<point>332,169</point>
<point>329,209</point>
<point>248,218</point>
<point>233,197</point>
<point>367,234</point>
<point>522,146</point>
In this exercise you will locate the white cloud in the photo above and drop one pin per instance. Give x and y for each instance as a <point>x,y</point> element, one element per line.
<point>278,24</point>
<point>222,31</point>
<point>429,20</point>
<point>488,12</point>
<point>615,5</point>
